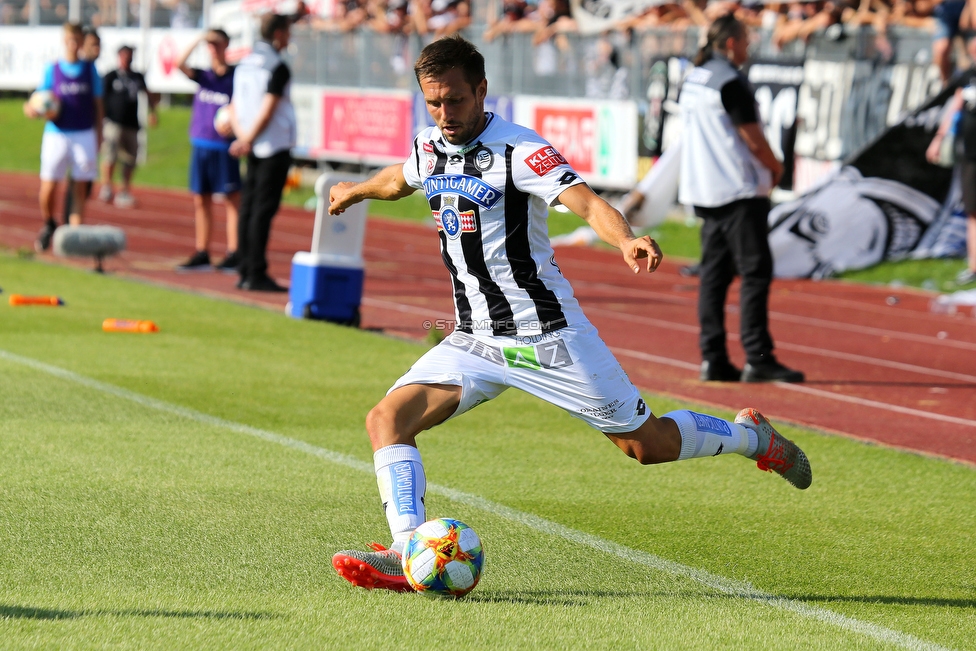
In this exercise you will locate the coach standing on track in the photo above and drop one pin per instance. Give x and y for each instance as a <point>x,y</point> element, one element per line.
<point>264,121</point>
<point>727,172</point>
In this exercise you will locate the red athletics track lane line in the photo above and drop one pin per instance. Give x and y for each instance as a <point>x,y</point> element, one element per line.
<point>834,331</point>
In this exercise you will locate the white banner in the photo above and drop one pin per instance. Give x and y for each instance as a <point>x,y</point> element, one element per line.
<point>25,51</point>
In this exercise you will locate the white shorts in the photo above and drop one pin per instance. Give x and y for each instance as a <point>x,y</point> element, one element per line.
<point>571,368</point>
<point>76,149</point>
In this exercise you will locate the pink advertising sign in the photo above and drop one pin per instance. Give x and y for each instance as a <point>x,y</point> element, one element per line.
<point>572,131</point>
<point>368,125</point>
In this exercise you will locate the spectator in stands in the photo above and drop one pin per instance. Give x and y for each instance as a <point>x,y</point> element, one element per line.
<point>348,15</point>
<point>727,172</point>
<point>440,18</point>
<point>71,139</point>
<point>557,20</point>
<point>517,17</point>
<point>390,17</point>
<point>212,169</point>
<point>671,15</point>
<point>121,129</point>
<point>962,111</point>
<point>948,14</point>
<point>263,120</point>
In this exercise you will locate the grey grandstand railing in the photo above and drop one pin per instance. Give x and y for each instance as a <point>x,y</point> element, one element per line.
<point>366,59</point>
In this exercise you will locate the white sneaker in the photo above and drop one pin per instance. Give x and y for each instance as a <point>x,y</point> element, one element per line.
<point>105,194</point>
<point>965,277</point>
<point>124,200</point>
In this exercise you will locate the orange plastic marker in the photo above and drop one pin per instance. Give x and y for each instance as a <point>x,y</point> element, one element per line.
<point>128,325</point>
<point>19,299</point>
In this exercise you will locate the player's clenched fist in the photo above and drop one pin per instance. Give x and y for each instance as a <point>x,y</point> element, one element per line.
<point>340,197</point>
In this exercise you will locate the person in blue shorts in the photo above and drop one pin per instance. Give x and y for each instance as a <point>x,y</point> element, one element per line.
<point>212,169</point>
<point>947,14</point>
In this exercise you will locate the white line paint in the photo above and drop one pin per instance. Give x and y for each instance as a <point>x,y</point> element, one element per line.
<point>740,589</point>
<point>878,405</point>
<point>688,366</point>
<point>808,321</point>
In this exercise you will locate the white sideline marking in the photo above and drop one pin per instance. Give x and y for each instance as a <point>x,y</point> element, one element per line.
<point>742,589</point>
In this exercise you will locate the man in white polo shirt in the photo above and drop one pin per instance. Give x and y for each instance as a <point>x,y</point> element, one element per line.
<point>263,119</point>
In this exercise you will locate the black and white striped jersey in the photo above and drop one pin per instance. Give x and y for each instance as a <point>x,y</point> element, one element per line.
<point>490,202</point>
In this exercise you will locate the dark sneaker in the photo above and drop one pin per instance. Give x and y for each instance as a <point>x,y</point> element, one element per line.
<point>690,271</point>
<point>43,242</point>
<point>721,371</point>
<point>199,261</point>
<point>776,453</point>
<point>262,284</point>
<point>380,568</point>
<point>771,371</point>
<point>230,264</point>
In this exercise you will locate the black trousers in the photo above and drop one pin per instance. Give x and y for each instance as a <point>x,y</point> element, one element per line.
<point>260,200</point>
<point>734,241</point>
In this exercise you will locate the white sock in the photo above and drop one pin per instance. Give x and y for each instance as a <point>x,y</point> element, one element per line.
<point>402,483</point>
<point>707,436</point>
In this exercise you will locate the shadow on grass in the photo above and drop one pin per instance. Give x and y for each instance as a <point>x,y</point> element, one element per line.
<point>28,612</point>
<point>552,597</point>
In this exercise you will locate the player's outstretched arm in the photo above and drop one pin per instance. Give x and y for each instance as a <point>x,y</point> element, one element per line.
<point>611,226</point>
<point>388,184</point>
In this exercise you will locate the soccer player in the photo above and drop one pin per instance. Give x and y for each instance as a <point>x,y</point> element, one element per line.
<point>71,140</point>
<point>212,168</point>
<point>489,184</point>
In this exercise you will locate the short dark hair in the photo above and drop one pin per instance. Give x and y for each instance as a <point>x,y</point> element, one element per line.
<point>271,23</point>
<point>447,54</point>
<point>91,31</point>
<point>221,33</point>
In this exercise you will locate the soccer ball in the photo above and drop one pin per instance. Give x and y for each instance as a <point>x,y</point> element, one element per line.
<point>45,103</point>
<point>222,120</point>
<point>444,558</point>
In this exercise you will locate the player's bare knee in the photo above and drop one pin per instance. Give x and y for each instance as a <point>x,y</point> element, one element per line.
<point>380,423</point>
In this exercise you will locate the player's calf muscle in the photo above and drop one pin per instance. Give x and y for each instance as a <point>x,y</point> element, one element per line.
<point>656,441</point>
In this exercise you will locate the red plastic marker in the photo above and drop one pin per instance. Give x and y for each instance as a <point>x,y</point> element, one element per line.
<point>18,299</point>
<point>128,325</point>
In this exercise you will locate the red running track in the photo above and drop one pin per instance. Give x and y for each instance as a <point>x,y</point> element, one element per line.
<point>880,366</point>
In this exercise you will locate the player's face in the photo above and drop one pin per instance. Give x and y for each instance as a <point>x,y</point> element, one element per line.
<point>458,109</point>
<point>93,48</point>
<point>218,49</point>
<point>740,47</point>
<point>72,45</point>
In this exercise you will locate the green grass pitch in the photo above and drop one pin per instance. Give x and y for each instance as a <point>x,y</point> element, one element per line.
<point>187,489</point>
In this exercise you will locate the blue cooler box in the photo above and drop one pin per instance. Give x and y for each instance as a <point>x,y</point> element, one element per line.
<point>327,281</point>
<point>327,287</point>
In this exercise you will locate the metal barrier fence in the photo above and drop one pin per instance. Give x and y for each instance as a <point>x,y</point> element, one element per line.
<point>571,66</point>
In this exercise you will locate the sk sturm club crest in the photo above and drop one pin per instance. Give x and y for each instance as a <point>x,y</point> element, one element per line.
<point>452,221</point>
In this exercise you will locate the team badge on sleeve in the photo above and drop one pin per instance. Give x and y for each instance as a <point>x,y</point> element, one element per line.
<point>545,160</point>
